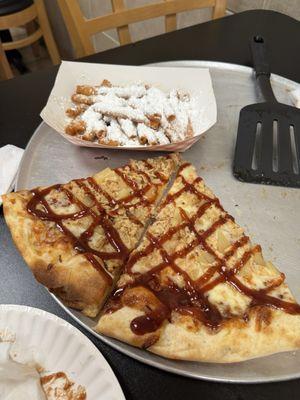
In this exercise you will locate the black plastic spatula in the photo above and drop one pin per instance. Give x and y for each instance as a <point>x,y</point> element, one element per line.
<point>268,139</point>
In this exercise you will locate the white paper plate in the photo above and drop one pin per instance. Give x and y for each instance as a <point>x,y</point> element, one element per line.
<point>65,348</point>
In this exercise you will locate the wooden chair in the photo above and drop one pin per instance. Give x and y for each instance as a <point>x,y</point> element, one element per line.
<point>81,29</point>
<point>27,16</point>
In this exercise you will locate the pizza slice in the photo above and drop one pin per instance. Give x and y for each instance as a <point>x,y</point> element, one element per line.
<point>196,288</point>
<point>75,237</point>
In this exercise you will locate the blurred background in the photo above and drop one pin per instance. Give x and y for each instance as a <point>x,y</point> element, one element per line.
<point>34,58</point>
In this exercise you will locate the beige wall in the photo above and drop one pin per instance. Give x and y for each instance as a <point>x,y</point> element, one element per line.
<point>289,7</point>
<point>142,30</point>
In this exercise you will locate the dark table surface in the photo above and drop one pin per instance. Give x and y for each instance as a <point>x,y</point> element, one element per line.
<point>21,101</point>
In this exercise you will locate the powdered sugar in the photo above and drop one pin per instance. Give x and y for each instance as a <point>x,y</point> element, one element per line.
<point>93,121</point>
<point>128,127</point>
<point>116,134</point>
<point>137,90</point>
<point>136,115</point>
<point>110,109</point>
<point>148,135</point>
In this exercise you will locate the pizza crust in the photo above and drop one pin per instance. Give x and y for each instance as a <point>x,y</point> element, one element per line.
<point>68,278</point>
<point>236,341</point>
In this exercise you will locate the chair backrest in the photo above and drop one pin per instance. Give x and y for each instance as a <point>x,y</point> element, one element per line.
<point>81,29</point>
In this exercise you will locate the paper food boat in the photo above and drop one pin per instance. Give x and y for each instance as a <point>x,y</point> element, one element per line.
<point>196,81</point>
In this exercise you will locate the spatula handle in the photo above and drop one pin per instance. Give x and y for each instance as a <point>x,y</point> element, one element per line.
<point>262,67</point>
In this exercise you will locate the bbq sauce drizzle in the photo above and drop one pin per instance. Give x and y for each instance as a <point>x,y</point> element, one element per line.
<point>81,243</point>
<point>191,299</point>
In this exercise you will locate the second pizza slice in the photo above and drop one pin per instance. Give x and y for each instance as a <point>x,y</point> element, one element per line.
<point>196,288</point>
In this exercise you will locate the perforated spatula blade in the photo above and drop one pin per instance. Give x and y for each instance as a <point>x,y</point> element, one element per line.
<point>268,139</point>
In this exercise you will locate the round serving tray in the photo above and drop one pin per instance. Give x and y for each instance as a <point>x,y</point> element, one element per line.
<point>270,214</point>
